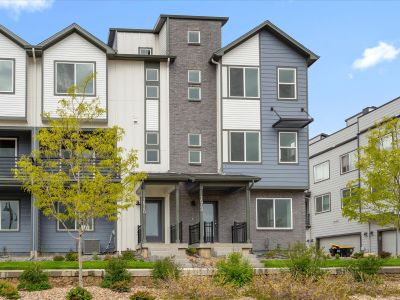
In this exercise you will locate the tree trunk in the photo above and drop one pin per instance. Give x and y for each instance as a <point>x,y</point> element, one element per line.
<point>80,258</point>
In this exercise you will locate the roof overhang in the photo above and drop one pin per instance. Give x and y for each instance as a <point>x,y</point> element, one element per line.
<point>139,57</point>
<point>163,17</point>
<point>13,37</point>
<point>292,122</point>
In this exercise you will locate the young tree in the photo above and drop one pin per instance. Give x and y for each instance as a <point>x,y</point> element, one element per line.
<point>375,197</point>
<point>77,175</point>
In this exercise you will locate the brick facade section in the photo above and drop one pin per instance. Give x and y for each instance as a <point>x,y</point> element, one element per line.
<point>189,116</point>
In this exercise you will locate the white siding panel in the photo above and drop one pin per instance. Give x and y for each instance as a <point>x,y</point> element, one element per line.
<point>225,147</point>
<point>129,42</point>
<point>162,40</point>
<point>224,82</point>
<point>247,53</point>
<point>73,48</point>
<point>241,114</point>
<point>13,105</point>
<point>152,115</point>
<point>388,110</point>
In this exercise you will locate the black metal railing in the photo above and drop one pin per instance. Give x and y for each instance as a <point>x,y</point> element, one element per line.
<point>173,232</point>
<point>194,234</point>
<point>139,234</point>
<point>239,232</point>
<point>209,232</point>
<point>7,164</point>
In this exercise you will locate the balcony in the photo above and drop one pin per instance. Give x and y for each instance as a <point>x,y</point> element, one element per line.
<point>7,164</point>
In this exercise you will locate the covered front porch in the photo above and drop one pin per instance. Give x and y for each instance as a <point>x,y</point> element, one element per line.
<point>210,212</point>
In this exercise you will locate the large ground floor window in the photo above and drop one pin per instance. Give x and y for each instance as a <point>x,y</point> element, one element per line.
<point>274,213</point>
<point>9,215</point>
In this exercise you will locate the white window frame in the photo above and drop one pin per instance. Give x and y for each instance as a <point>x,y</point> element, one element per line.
<point>245,146</point>
<point>18,215</point>
<point>145,48</point>
<point>197,162</point>
<point>329,171</point>
<point>15,143</point>
<point>244,82</point>
<point>152,69</point>
<point>193,43</point>
<point>275,228</point>
<point>75,83</point>
<point>191,145</point>
<point>60,226</point>
<point>295,84</point>
<point>194,82</point>
<point>341,162</point>
<point>322,204</point>
<point>12,91</point>
<point>280,147</point>
<point>158,91</point>
<point>158,139</point>
<point>152,161</point>
<point>194,87</point>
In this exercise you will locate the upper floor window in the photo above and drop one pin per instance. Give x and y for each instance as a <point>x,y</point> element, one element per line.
<point>9,215</point>
<point>243,82</point>
<point>274,213</point>
<point>244,146</point>
<point>348,162</point>
<point>71,73</point>
<point>71,224</point>
<point>194,157</point>
<point>323,203</point>
<point>145,51</point>
<point>151,74</point>
<point>6,76</point>
<point>321,172</point>
<point>194,76</point>
<point>152,156</point>
<point>194,140</point>
<point>288,147</point>
<point>194,93</point>
<point>193,37</point>
<point>386,142</point>
<point>287,83</point>
<point>151,91</point>
<point>8,147</point>
<point>152,138</point>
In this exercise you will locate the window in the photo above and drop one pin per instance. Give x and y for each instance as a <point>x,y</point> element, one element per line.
<point>71,224</point>
<point>8,147</point>
<point>6,76</point>
<point>243,82</point>
<point>244,146</point>
<point>194,93</point>
<point>321,172</point>
<point>288,147</point>
<point>346,192</point>
<point>151,74</point>
<point>323,203</point>
<point>151,91</point>
<point>145,51</point>
<point>194,76</point>
<point>194,140</point>
<point>194,157</point>
<point>69,74</point>
<point>193,37</point>
<point>287,83</point>
<point>9,215</point>
<point>348,162</point>
<point>274,213</point>
<point>386,143</point>
<point>152,138</point>
<point>152,156</point>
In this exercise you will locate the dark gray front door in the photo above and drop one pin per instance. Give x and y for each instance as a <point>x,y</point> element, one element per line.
<point>210,216</point>
<point>154,220</point>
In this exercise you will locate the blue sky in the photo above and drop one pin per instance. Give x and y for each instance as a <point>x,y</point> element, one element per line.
<point>359,42</point>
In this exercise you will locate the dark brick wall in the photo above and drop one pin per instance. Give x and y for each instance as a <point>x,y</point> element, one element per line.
<point>193,117</point>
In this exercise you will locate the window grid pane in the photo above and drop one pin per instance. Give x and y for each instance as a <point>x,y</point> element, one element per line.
<point>151,91</point>
<point>252,146</point>
<point>83,71</point>
<point>194,93</point>
<point>251,79</point>
<point>265,213</point>
<point>193,37</point>
<point>9,216</point>
<point>321,171</point>
<point>194,76</point>
<point>236,84</point>
<point>6,76</point>
<point>151,74</point>
<point>194,140</point>
<point>287,83</point>
<point>237,146</point>
<point>288,147</point>
<point>151,155</point>
<point>65,77</point>
<point>194,157</point>
<point>283,214</point>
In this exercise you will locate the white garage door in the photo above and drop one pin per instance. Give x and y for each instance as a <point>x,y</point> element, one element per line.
<point>344,240</point>
<point>389,242</point>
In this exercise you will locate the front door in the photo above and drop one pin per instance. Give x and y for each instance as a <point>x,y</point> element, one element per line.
<point>154,220</point>
<point>210,216</point>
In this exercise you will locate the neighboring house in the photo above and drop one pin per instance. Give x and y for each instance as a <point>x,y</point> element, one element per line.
<point>332,166</point>
<point>222,132</point>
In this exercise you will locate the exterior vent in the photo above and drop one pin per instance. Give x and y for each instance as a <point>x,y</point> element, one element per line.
<point>91,246</point>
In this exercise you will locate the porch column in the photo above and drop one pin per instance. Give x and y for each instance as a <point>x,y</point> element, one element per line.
<point>248,213</point>
<point>143,206</point>
<point>201,222</point>
<point>177,229</point>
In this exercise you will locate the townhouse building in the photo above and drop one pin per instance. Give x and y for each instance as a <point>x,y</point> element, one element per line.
<point>221,131</point>
<point>332,165</point>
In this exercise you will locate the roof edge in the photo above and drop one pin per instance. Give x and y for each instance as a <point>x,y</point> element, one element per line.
<point>13,37</point>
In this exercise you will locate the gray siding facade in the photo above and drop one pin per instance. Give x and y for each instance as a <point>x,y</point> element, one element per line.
<point>273,54</point>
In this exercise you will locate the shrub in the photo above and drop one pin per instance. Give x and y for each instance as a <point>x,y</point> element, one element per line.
<point>128,255</point>
<point>385,254</point>
<point>358,255</point>
<point>234,270</point>
<point>58,258</point>
<point>71,256</point>
<point>305,262</point>
<point>108,257</point>
<point>191,251</point>
<point>116,272</point>
<point>78,293</point>
<point>95,256</point>
<point>165,269</point>
<point>142,295</point>
<point>8,291</point>
<point>337,256</point>
<point>34,279</point>
<point>364,269</point>
<point>120,286</point>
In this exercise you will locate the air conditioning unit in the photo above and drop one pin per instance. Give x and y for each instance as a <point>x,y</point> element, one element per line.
<point>91,246</point>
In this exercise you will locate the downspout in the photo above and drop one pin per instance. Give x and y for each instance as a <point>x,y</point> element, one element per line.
<point>219,129</point>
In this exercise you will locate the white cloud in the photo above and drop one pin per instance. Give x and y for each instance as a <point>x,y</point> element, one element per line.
<point>17,6</point>
<point>375,55</point>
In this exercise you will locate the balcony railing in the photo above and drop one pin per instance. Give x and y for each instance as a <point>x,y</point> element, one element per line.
<point>7,164</point>
<point>209,232</point>
<point>239,232</point>
<point>173,233</point>
<point>139,234</point>
<point>194,234</point>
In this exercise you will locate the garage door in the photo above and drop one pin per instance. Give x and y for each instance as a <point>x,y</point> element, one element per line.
<point>389,242</point>
<point>343,240</point>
